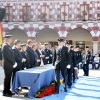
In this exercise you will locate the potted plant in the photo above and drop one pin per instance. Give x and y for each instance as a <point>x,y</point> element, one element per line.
<point>84,12</point>
<point>64,13</point>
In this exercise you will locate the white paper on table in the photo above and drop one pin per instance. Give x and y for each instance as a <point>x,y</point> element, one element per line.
<point>15,65</point>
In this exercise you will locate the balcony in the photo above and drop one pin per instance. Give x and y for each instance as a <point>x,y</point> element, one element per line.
<point>45,0</point>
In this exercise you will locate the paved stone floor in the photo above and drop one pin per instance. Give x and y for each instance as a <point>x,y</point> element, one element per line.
<point>21,97</point>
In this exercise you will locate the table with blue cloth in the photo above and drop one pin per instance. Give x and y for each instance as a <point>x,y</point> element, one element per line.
<point>35,78</point>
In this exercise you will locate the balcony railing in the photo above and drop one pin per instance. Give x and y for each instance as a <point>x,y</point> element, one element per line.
<point>45,0</point>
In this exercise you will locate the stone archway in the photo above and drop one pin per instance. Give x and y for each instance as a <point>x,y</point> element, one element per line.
<point>18,34</point>
<point>47,34</point>
<point>79,35</point>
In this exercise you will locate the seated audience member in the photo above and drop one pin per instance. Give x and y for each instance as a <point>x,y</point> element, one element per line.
<point>96,61</point>
<point>37,58</point>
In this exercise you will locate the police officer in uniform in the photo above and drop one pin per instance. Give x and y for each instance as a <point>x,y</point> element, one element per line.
<point>88,55</point>
<point>9,62</point>
<point>73,64</point>
<point>61,61</point>
<point>25,55</point>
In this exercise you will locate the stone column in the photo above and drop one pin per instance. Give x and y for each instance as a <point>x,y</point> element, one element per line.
<point>32,38</point>
<point>95,47</point>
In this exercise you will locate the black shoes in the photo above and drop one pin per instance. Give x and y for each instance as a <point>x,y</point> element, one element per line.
<point>7,95</point>
<point>65,90</point>
<point>69,86</point>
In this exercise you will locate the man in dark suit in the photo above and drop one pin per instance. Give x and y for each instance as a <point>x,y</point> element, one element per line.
<point>51,53</point>
<point>73,64</point>
<point>30,53</point>
<point>88,56</point>
<point>37,57</point>
<point>45,58</point>
<point>9,62</point>
<point>38,51</point>
<point>47,50</point>
<point>18,57</point>
<point>25,55</point>
<point>61,61</point>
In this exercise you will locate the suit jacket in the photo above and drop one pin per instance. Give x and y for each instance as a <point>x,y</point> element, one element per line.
<point>38,53</point>
<point>27,62</point>
<point>88,56</point>
<point>61,58</point>
<point>48,55</point>
<point>8,56</point>
<point>76,57</point>
<point>51,55</point>
<point>80,56</point>
<point>31,56</point>
<point>45,61</point>
<point>36,58</point>
<point>72,58</point>
<point>18,58</point>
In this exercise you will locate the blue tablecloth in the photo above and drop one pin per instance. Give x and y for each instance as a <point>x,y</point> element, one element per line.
<point>35,78</point>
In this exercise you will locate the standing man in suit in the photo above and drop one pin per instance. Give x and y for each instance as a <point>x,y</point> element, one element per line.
<point>45,58</point>
<point>37,57</point>
<point>30,53</point>
<point>8,65</point>
<point>88,56</point>
<point>47,50</point>
<point>51,54</point>
<point>18,57</point>
<point>61,61</point>
<point>25,55</point>
<point>38,51</point>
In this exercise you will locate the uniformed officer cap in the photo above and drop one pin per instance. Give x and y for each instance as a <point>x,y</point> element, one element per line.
<point>87,47</point>
<point>8,36</point>
<point>68,42</point>
<point>24,44</point>
<point>72,47</point>
<point>61,40</point>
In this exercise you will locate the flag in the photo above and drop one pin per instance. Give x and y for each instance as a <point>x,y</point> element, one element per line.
<point>1,33</point>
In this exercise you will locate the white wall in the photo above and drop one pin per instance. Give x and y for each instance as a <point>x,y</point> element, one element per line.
<point>79,34</point>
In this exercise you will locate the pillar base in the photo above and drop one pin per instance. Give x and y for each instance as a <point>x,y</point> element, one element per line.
<point>95,47</point>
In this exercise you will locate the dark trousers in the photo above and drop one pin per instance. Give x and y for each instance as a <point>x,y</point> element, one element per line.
<point>69,72</point>
<point>87,69</point>
<point>84,69</point>
<point>73,74</point>
<point>64,74</point>
<point>7,80</point>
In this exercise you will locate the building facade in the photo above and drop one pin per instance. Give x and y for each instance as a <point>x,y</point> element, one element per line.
<point>47,20</point>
